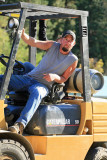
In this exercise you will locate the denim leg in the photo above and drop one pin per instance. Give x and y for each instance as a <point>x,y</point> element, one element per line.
<point>37,92</point>
<point>28,67</point>
<point>19,83</point>
<point>16,82</point>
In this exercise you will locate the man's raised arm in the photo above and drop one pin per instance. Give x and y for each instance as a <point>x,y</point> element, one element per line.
<point>44,45</point>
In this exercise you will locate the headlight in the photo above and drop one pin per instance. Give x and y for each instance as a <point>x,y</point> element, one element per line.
<point>13,23</point>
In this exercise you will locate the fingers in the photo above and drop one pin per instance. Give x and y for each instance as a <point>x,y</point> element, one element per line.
<point>23,31</point>
<point>47,77</point>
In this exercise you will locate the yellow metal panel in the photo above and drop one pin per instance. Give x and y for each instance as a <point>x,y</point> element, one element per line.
<point>100,123</point>
<point>100,137</point>
<point>66,147</point>
<point>38,143</point>
<point>15,15</point>
<point>100,107</point>
<point>100,120</point>
<point>2,118</point>
<point>86,114</point>
<point>100,130</point>
<point>99,116</point>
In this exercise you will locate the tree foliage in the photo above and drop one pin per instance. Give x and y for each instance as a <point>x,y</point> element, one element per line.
<point>97,26</point>
<point>95,64</point>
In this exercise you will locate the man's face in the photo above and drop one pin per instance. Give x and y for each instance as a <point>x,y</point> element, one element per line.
<point>67,44</point>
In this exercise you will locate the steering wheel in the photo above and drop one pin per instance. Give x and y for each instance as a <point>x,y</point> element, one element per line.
<point>18,67</point>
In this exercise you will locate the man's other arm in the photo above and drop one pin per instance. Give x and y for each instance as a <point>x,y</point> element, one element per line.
<point>61,79</point>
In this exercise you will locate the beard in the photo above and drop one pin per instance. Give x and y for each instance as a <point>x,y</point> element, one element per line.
<point>65,49</point>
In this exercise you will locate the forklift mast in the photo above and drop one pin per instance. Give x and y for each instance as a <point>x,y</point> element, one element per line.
<point>33,33</point>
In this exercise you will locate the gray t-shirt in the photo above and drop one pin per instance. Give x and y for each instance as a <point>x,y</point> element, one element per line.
<point>52,62</point>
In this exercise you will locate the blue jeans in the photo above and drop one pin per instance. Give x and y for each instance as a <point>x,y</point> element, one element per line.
<point>36,90</point>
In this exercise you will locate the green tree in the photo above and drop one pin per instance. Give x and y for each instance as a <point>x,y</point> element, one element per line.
<point>97,26</point>
<point>95,64</point>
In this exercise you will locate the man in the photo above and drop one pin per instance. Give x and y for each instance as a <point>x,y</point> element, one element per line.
<point>56,66</point>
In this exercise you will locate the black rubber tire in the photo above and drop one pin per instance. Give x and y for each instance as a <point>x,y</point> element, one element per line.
<point>12,150</point>
<point>98,153</point>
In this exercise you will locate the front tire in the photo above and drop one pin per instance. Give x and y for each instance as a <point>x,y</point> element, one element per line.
<point>12,150</point>
<point>98,153</point>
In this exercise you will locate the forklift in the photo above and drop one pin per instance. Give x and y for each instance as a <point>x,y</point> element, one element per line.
<point>70,124</point>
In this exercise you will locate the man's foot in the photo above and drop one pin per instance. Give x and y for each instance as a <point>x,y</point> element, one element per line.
<point>17,128</point>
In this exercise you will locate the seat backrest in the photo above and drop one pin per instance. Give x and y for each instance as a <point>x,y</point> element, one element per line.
<point>56,93</point>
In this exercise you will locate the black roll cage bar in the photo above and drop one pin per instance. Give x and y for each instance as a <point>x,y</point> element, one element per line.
<point>37,12</point>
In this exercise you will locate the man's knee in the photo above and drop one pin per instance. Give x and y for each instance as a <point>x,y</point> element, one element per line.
<point>38,91</point>
<point>28,67</point>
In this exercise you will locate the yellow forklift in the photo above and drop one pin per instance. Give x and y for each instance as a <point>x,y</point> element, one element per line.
<point>69,124</point>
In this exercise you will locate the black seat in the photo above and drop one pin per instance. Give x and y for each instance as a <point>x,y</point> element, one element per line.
<point>56,93</point>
